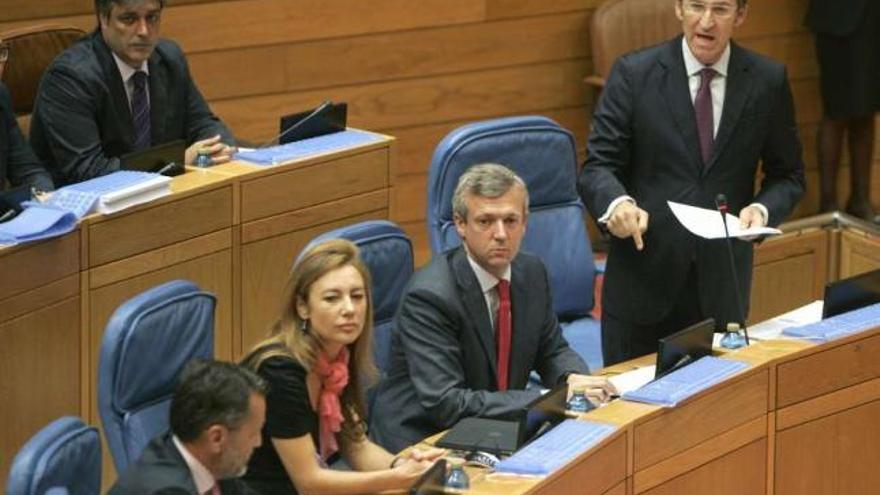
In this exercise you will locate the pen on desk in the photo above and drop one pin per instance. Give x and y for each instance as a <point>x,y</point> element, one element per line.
<point>7,215</point>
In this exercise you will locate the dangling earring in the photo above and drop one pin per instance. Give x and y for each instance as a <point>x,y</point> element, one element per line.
<point>304,326</point>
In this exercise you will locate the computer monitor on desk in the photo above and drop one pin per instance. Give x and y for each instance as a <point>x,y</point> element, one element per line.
<point>503,437</point>
<point>326,119</point>
<point>851,293</point>
<point>684,346</point>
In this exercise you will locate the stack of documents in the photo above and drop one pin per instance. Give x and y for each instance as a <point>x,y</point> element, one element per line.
<point>110,193</point>
<point>35,223</point>
<point>682,383</point>
<point>555,448</point>
<point>305,148</point>
<point>838,326</point>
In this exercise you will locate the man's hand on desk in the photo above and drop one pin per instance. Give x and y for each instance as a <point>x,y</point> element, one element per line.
<point>219,152</point>
<point>597,388</point>
<point>628,220</point>
<point>412,463</point>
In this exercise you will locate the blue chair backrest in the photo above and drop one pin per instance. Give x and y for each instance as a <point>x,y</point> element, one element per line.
<point>147,342</point>
<point>545,156</point>
<point>65,455</point>
<point>388,253</point>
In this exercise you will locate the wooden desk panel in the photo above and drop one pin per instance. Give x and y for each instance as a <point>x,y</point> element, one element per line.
<point>151,226</point>
<point>31,266</point>
<point>40,369</point>
<point>828,368</point>
<point>741,472</point>
<point>303,185</point>
<point>712,413</point>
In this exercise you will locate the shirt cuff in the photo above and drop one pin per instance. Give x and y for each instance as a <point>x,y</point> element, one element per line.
<point>620,199</point>
<point>764,212</point>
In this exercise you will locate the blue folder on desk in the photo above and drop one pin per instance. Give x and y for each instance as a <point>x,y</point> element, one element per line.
<point>838,326</point>
<point>682,383</point>
<point>555,448</point>
<point>35,223</point>
<point>305,148</point>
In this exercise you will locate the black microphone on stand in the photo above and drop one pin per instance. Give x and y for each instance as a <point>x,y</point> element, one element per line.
<point>721,205</point>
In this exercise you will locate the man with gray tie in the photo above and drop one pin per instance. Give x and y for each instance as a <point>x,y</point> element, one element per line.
<point>118,90</point>
<point>685,121</point>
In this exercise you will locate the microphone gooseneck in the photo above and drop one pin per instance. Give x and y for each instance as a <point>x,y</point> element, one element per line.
<point>721,205</point>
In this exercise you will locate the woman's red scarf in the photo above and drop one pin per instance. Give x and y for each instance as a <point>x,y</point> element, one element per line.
<point>334,378</point>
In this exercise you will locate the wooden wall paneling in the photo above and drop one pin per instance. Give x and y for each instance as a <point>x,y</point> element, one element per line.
<point>789,271</point>
<point>741,472</point>
<point>502,9</point>
<point>380,106</point>
<point>859,253</point>
<point>777,17</point>
<point>396,55</point>
<point>620,489</point>
<point>36,9</point>
<point>40,366</point>
<point>675,430</point>
<point>796,50</point>
<point>818,372</point>
<point>265,265</point>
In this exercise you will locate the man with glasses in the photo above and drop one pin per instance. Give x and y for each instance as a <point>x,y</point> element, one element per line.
<point>119,90</point>
<point>19,167</point>
<point>685,121</point>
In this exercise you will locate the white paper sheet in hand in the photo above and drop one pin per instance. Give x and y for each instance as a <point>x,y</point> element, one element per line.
<point>704,223</point>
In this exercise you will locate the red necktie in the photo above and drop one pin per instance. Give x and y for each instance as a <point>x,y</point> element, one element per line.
<point>703,109</point>
<point>503,333</point>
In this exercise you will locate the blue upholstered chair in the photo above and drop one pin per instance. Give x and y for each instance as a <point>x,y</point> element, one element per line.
<point>544,155</point>
<point>388,253</point>
<point>146,344</point>
<point>64,456</point>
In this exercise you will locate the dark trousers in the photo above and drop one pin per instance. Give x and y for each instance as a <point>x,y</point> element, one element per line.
<point>623,340</point>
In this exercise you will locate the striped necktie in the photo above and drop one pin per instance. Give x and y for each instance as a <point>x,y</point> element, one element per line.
<point>140,111</point>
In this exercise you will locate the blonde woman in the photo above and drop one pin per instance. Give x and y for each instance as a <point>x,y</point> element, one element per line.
<point>318,354</point>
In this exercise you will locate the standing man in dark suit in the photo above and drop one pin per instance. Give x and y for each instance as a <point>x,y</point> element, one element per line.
<point>18,164</point>
<point>475,322</point>
<point>685,121</point>
<point>118,90</point>
<point>217,413</point>
<point>848,49</point>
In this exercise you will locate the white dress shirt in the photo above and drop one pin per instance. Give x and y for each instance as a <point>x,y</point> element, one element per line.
<point>487,285</point>
<point>203,478</point>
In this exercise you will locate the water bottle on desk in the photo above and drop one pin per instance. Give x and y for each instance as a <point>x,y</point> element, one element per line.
<point>733,338</point>
<point>578,401</point>
<point>203,159</point>
<point>457,478</point>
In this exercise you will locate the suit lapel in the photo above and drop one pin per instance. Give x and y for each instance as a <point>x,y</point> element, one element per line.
<point>675,93</point>
<point>117,89</point>
<point>519,308</point>
<point>158,91</point>
<point>739,85</point>
<point>475,305</point>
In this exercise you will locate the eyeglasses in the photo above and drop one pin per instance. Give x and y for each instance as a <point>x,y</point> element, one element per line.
<point>4,52</point>
<point>718,10</point>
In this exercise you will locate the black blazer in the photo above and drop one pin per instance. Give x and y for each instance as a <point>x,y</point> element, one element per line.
<point>443,350</point>
<point>162,470</point>
<point>835,17</point>
<point>82,120</point>
<point>18,164</point>
<point>644,143</point>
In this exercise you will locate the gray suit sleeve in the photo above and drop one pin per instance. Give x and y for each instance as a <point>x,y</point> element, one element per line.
<point>435,361</point>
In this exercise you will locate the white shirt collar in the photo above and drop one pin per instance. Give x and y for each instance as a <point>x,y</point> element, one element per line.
<point>126,71</point>
<point>693,66</point>
<point>486,279</point>
<point>203,478</point>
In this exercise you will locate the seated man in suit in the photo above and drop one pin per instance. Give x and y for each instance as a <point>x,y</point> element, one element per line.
<point>119,90</point>
<point>217,413</point>
<point>18,164</point>
<point>685,121</point>
<point>475,322</point>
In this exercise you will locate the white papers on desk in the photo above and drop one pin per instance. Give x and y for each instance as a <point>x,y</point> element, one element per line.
<point>633,379</point>
<point>772,328</point>
<point>704,222</point>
